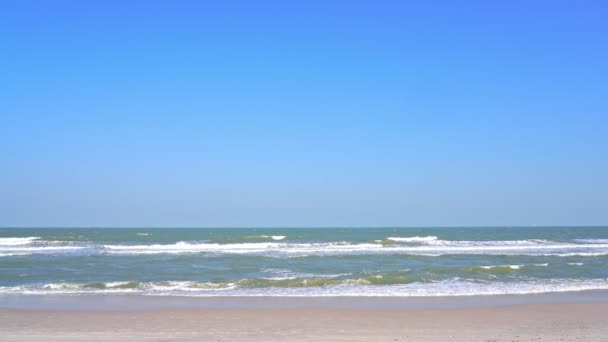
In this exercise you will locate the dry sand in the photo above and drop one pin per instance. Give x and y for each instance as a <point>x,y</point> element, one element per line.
<point>529,322</point>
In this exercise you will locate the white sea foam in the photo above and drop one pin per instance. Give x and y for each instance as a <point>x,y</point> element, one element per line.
<point>592,240</point>
<point>61,286</point>
<point>240,248</point>
<point>116,283</point>
<point>16,241</point>
<point>275,237</point>
<point>441,288</point>
<point>143,234</point>
<point>14,246</point>
<point>513,267</point>
<point>453,287</point>
<point>580,254</point>
<point>13,254</point>
<point>430,246</point>
<point>187,247</point>
<point>38,249</point>
<point>74,288</point>
<point>413,239</point>
<point>186,286</point>
<point>491,243</point>
<point>283,274</point>
<point>280,274</point>
<point>523,247</point>
<point>575,264</point>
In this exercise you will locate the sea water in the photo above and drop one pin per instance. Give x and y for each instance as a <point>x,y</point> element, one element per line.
<point>303,261</point>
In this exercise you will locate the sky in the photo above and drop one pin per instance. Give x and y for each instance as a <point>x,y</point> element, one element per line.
<point>309,113</point>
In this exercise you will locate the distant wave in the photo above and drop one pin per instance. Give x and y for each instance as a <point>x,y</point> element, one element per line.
<point>20,246</point>
<point>40,249</point>
<point>247,239</point>
<point>440,247</point>
<point>274,246</point>
<point>413,239</point>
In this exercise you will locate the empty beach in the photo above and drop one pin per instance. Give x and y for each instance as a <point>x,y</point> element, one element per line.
<point>520,322</point>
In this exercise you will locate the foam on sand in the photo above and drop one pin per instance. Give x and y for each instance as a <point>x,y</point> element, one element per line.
<point>319,288</point>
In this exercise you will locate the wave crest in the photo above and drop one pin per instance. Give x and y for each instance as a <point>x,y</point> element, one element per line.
<point>435,248</point>
<point>413,239</point>
<point>16,241</point>
<point>325,288</point>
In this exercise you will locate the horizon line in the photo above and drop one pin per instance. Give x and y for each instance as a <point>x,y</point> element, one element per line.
<point>304,227</point>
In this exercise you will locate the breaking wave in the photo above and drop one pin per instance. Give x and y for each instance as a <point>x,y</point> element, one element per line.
<point>16,241</point>
<point>430,246</point>
<point>318,288</point>
<point>14,254</point>
<point>413,239</point>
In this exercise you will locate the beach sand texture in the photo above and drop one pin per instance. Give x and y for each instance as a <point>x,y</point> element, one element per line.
<point>534,322</point>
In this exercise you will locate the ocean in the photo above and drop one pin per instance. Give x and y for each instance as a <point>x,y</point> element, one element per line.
<point>303,262</point>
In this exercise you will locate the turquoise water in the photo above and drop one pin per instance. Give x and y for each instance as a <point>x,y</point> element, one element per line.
<point>303,261</point>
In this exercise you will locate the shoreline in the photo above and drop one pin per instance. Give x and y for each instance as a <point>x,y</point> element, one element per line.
<point>519,322</point>
<point>137,302</point>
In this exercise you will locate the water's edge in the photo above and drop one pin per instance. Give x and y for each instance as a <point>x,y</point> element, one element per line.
<point>126,302</point>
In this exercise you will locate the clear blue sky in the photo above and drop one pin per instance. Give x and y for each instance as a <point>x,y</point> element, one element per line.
<point>317,113</point>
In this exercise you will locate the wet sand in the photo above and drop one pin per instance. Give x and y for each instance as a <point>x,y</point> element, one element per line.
<point>520,322</point>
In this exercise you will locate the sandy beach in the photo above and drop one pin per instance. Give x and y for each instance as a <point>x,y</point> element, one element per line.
<point>519,322</point>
